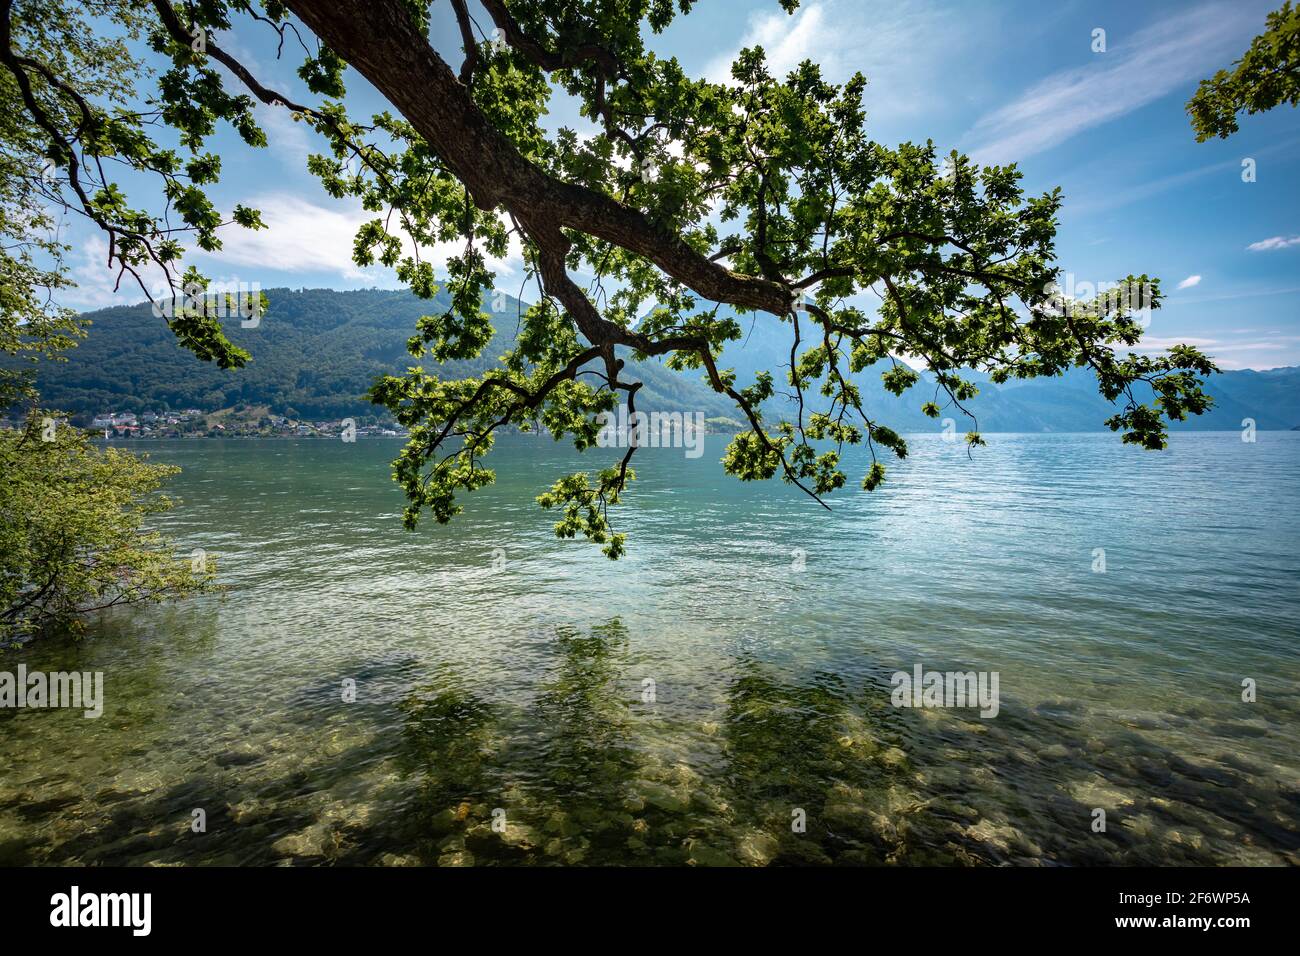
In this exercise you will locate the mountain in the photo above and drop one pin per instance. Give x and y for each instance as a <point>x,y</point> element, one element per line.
<point>1069,403</point>
<point>316,351</point>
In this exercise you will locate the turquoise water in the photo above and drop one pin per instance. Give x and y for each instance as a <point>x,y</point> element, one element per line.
<point>498,668</point>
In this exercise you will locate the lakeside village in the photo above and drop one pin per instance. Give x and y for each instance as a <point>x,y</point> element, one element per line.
<point>239,422</point>
<point>653,429</point>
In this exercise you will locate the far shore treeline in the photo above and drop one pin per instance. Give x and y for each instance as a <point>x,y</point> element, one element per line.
<point>315,352</point>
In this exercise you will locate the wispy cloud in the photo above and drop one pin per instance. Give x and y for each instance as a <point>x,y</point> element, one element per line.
<point>289,141</point>
<point>1272,351</point>
<point>301,238</point>
<point>1156,343</point>
<point>1275,242</point>
<point>1103,196</point>
<point>1232,297</point>
<point>787,41</point>
<point>906,48</point>
<point>1111,198</point>
<point>1190,282</point>
<point>97,285</point>
<point>1152,63</point>
<point>304,237</point>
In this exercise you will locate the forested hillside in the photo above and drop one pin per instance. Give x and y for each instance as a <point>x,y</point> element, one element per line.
<point>316,351</point>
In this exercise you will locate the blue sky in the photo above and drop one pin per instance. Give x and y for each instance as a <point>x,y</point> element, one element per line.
<point>1004,81</point>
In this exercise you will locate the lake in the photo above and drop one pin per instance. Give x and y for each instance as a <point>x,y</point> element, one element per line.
<point>721,695</point>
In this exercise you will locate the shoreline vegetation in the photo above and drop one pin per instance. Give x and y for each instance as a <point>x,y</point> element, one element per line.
<point>260,422</point>
<point>79,532</point>
<point>333,431</point>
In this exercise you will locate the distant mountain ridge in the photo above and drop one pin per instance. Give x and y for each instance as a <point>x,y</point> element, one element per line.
<point>316,352</point>
<point>1068,403</point>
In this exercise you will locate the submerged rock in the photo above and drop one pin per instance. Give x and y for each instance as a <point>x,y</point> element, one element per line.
<point>239,756</point>
<point>305,844</point>
<point>663,797</point>
<point>757,848</point>
<point>704,855</point>
<point>483,839</point>
<point>249,811</point>
<point>1095,793</point>
<point>894,757</point>
<point>561,823</point>
<point>708,802</point>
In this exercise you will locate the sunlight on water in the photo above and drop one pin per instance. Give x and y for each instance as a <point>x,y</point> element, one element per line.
<point>500,669</point>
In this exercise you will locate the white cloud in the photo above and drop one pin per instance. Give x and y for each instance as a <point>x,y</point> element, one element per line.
<point>1274,242</point>
<point>301,237</point>
<point>1231,297</point>
<point>98,285</point>
<point>289,140</point>
<point>308,238</point>
<point>903,48</point>
<point>1190,282</point>
<point>1234,354</point>
<point>1152,63</point>
<point>787,41</point>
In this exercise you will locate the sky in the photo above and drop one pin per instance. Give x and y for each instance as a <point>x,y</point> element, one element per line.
<point>1005,81</point>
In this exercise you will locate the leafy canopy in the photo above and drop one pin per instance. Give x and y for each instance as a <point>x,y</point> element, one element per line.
<point>763,194</point>
<point>1267,75</point>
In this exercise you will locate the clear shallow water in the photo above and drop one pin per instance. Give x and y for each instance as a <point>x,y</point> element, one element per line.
<point>514,678</point>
